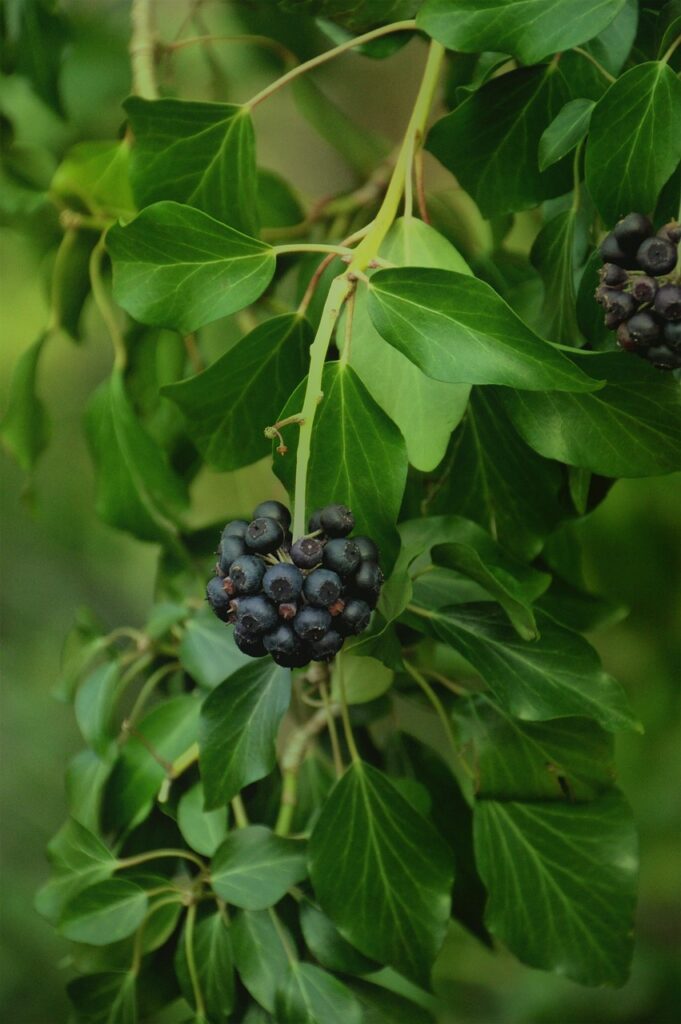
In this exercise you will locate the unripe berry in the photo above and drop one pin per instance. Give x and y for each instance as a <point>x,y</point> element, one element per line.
<point>671,231</point>
<point>283,582</point>
<point>668,302</point>
<point>273,510</point>
<point>342,556</point>
<point>322,588</point>
<point>264,535</point>
<point>656,256</point>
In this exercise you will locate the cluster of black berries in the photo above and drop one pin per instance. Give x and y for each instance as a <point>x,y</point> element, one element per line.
<point>640,291</point>
<point>296,601</point>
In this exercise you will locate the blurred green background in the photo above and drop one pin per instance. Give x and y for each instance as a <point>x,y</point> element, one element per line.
<point>56,556</point>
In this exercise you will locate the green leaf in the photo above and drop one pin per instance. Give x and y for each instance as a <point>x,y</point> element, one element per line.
<point>259,954</point>
<point>328,946</point>
<point>634,140</point>
<point>561,882</point>
<point>106,998</point>
<point>239,724</point>
<point>86,778</point>
<point>213,959</point>
<point>567,129</point>
<point>95,175</point>
<point>71,280</point>
<point>136,489</point>
<point>311,996</point>
<point>509,490</point>
<point>201,154</point>
<point>169,730</point>
<point>25,429</point>
<point>528,29</point>
<point>558,250</point>
<point>202,830</point>
<point>207,650</point>
<point>104,912</point>
<point>94,705</point>
<point>457,328</point>
<point>278,205</point>
<point>176,267</point>
<point>254,868</point>
<point>387,886</point>
<point>357,452</point>
<point>79,859</point>
<point>611,47</point>
<point>631,428</point>
<point>490,141</point>
<point>381,1006</point>
<point>425,410</point>
<point>559,675</point>
<point>228,406</point>
<point>42,33</point>
<point>364,679</point>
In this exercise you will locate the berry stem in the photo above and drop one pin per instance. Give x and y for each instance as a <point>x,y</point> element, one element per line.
<point>142,50</point>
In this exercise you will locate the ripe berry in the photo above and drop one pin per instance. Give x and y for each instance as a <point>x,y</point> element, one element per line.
<point>264,535</point>
<point>307,552</point>
<point>330,644</point>
<point>218,598</point>
<point>611,252</point>
<point>311,623</point>
<point>663,358</point>
<point>230,549</point>
<point>281,640</point>
<point>354,618</point>
<point>613,276</point>
<point>668,302</point>
<point>296,659</point>
<point>255,615</point>
<point>274,510</point>
<point>283,582</point>
<point>322,588</point>
<point>337,520</point>
<point>237,528</point>
<point>625,340</point>
<point>342,556</point>
<point>367,548</point>
<point>246,574</point>
<point>631,231</point>
<point>644,288</point>
<point>671,332</point>
<point>368,581</point>
<point>643,328</point>
<point>656,256</point>
<point>248,643</point>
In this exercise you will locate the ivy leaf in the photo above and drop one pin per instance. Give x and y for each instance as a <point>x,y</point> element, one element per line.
<point>96,175</point>
<point>364,679</point>
<point>528,29</point>
<point>25,428</point>
<point>357,452</point>
<point>457,328</point>
<point>381,1006</point>
<point>556,676</point>
<point>509,490</point>
<point>94,705</point>
<point>71,280</point>
<point>559,248</point>
<point>239,724</point>
<point>561,882</point>
<point>104,912</point>
<point>490,141</point>
<point>328,946</point>
<point>631,428</point>
<point>207,650</point>
<point>105,998</point>
<point>254,868</point>
<point>201,154</point>
<point>259,954</point>
<point>612,45</point>
<point>42,34</point>
<point>136,489</point>
<point>174,266</point>
<point>228,406</point>
<point>202,830</point>
<point>392,907</point>
<point>634,141</point>
<point>567,129</point>
<point>213,959</point>
<point>79,859</point>
<point>310,994</point>
<point>86,778</point>
<point>425,410</point>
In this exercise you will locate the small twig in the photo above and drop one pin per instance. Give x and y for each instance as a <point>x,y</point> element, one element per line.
<point>142,50</point>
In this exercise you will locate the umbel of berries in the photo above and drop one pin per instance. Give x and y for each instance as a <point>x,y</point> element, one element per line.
<point>640,289</point>
<point>295,600</point>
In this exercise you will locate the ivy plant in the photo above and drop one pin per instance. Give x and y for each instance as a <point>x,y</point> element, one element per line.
<point>248,841</point>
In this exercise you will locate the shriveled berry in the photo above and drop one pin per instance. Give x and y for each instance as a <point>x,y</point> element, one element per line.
<point>283,582</point>
<point>249,643</point>
<point>671,333</point>
<point>264,535</point>
<point>612,276</point>
<point>611,252</point>
<point>256,615</point>
<point>337,520</point>
<point>664,358</point>
<point>281,640</point>
<point>273,510</point>
<point>354,618</point>
<point>342,556</point>
<point>656,256</point>
<point>671,231</point>
<point>218,598</point>
<point>307,552</point>
<point>367,548</point>
<point>329,645</point>
<point>311,623</point>
<point>368,581</point>
<point>643,328</point>
<point>231,548</point>
<point>322,588</point>
<point>644,288</point>
<point>246,574</point>
<point>668,302</point>
<point>631,230</point>
<point>617,304</point>
<point>236,528</point>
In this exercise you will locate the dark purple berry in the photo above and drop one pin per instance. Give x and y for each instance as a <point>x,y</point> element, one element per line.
<point>297,658</point>
<point>311,623</point>
<point>283,582</point>
<point>246,574</point>
<point>329,645</point>
<point>218,598</point>
<point>264,535</point>
<point>248,643</point>
<point>255,615</point>
<point>631,231</point>
<point>337,520</point>
<point>620,304</point>
<point>663,358</point>
<point>367,548</point>
<point>322,588</point>
<point>281,640</point>
<point>611,252</point>
<point>671,333</point>
<point>612,276</point>
<point>307,552</point>
<point>354,618</point>
<point>342,556</point>
<point>237,528</point>
<point>273,510</point>
<point>644,329</point>
<point>231,548</point>
<point>644,288</point>
<point>625,340</point>
<point>656,256</point>
<point>368,581</point>
<point>668,302</point>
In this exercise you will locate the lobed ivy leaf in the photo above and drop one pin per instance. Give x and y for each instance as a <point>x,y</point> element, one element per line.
<point>364,678</point>
<point>202,830</point>
<point>567,129</point>
<point>228,406</point>
<point>105,998</point>
<point>457,328</point>
<point>260,953</point>
<point>310,994</point>
<point>634,141</point>
<point>96,175</point>
<point>253,868</point>
<point>104,912</point>
<point>558,250</point>
<point>387,886</point>
<point>79,860</point>
<point>213,958</point>
<point>174,266</point>
<point>25,428</point>
<point>561,882</point>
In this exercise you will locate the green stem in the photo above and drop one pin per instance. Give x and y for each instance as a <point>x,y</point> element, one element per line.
<point>293,757</point>
<point>239,812</point>
<point>668,54</point>
<point>345,714</point>
<point>333,732</point>
<point>308,65</point>
<point>336,250</point>
<point>104,306</point>
<point>191,962</point>
<point>143,696</point>
<point>587,56</point>
<point>142,50</point>
<point>142,858</point>
<point>137,952</point>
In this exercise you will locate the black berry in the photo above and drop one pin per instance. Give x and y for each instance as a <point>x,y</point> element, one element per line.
<point>237,528</point>
<point>631,231</point>
<point>611,252</point>
<point>656,256</point>
<point>255,615</point>
<point>231,548</point>
<point>644,288</point>
<point>281,640</point>
<point>663,358</point>
<point>283,582</point>
<point>342,556</point>
<point>248,643</point>
<point>264,535</point>
<point>311,623</point>
<point>625,340</point>
<point>322,588</point>
<point>668,302</point>
<point>218,598</point>
<point>613,276</point>
<point>246,574</point>
<point>643,329</point>
<point>307,552</point>
<point>354,618</point>
<point>671,332</point>
<point>273,510</point>
<point>368,581</point>
<point>329,645</point>
<point>337,520</point>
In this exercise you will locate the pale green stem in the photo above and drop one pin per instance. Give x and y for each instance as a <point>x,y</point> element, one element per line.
<point>336,250</point>
<point>345,714</point>
<point>599,67</point>
<point>104,305</point>
<point>239,811</point>
<point>142,858</point>
<point>191,961</point>
<point>142,50</point>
